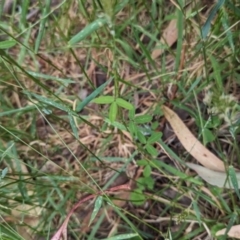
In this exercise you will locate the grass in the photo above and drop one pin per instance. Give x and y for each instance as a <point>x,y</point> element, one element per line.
<point>81,97</point>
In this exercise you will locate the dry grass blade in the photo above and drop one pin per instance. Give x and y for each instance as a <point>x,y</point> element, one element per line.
<point>191,143</point>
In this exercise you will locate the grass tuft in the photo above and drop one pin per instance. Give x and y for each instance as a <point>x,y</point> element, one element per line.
<point>82,86</point>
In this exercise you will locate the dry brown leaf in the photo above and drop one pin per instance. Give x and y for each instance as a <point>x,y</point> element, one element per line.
<point>191,143</point>
<point>215,178</point>
<point>234,232</point>
<point>169,37</point>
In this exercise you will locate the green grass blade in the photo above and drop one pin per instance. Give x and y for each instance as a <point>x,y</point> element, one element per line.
<point>232,220</point>
<point>19,110</point>
<point>180,28</point>
<point>227,29</point>
<point>122,236</point>
<point>7,44</point>
<point>65,81</point>
<point>42,26</point>
<point>73,126</point>
<point>97,206</point>
<point>206,28</point>
<point>104,100</point>
<point>25,8</point>
<point>217,72</point>
<point>89,29</point>
<point>93,95</point>
<point>234,180</point>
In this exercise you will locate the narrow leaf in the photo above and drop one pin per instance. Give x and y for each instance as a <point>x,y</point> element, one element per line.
<point>51,102</point>
<point>219,179</point>
<point>141,137</point>
<point>122,236</point>
<point>151,150</point>
<point>147,171</point>
<point>89,98</point>
<point>131,114</point>
<point>4,172</point>
<point>197,211</point>
<point>137,197</point>
<point>7,44</point>
<point>124,104</point>
<point>113,111</point>
<point>73,126</point>
<point>103,100</point>
<point>191,143</point>
<point>42,26</point>
<point>207,25</point>
<point>234,180</point>
<point>154,137</point>
<point>143,119</point>
<point>97,206</point>
<point>87,31</point>
<point>132,128</point>
<point>176,172</point>
<point>115,124</point>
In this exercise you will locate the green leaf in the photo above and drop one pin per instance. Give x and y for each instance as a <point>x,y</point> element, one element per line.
<point>142,162</point>
<point>141,137</point>
<point>180,28</point>
<point>123,236</point>
<point>65,81</point>
<point>7,233</point>
<point>113,111</point>
<point>90,28</point>
<point>4,172</point>
<point>115,124</point>
<point>124,104</point>
<point>132,128</point>
<point>97,206</point>
<point>149,181</point>
<point>131,114</point>
<point>227,28</point>
<point>213,122</point>
<point>207,25</point>
<point>42,26</point>
<point>178,173</point>
<point>143,119</point>
<point>73,126</point>
<point>208,136</point>
<point>217,72</point>
<point>89,98</point>
<point>103,100</point>
<point>51,102</point>
<point>234,180</point>
<point>151,150</point>
<point>7,44</point>
<point>147,171</point>
<point>127,49</point>
<point>154,125</point>
<point>18,110</point>
<point>197,211</point>
<point>137,197</point>
<point>154,137</point>
<point>231,221</point>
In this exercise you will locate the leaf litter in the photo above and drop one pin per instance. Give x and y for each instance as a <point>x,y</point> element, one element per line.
<point>121,143</point>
